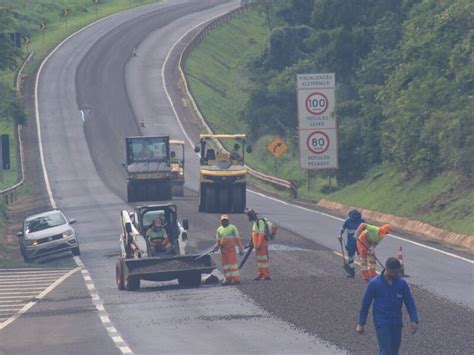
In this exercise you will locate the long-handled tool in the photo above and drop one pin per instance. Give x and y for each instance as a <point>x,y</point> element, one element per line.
<point>346,266</point>
<point>207,252</point>
<point>246,255</point>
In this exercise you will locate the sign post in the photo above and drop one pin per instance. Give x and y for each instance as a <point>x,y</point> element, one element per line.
<point>317,126</point>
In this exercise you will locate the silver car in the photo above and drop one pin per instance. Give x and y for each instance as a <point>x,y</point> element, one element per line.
<point>47,233</point>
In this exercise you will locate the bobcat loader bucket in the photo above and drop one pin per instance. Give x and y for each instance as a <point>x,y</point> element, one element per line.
<point>185,268</point>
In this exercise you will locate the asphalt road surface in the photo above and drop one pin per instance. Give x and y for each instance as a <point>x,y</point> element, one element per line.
<point>309,307</point>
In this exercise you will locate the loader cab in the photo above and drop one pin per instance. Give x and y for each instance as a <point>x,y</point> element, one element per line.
<point>223,175</point>
<point>168,215</point>
<point>236,145</point>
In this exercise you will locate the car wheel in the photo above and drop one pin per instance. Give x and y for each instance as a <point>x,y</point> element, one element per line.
<point>76,251</point>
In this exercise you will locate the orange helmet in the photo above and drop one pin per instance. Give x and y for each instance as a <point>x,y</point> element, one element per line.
<point>385,229</point>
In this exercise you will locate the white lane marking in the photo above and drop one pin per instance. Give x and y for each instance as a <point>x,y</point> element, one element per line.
<point>122,346</point>
<point>12,289</point>
<point>163,79</point>
<point>82,117</point>
<point>178,119</point>
<point>101,312</point>
<point>37,298</point>
<point>30,277</point>
<point>44,282</point>
<point>31,269</point>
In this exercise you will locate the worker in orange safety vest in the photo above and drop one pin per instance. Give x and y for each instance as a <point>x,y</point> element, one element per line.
<point>260,243</point>
<point>227,239</point>
<point>368,237</point>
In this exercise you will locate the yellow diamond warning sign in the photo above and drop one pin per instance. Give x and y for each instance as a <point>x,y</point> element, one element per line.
<point>277,147</point>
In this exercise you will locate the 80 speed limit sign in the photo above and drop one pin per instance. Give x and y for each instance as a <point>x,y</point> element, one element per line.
<point>318,142</point>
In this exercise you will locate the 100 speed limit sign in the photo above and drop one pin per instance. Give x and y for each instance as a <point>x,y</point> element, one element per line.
<point>317,103</point>
<point>318,142</point>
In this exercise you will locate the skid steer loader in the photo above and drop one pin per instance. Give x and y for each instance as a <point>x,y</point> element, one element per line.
<point>140,259</point>
<point>148,168</point>
<point>223,176</point>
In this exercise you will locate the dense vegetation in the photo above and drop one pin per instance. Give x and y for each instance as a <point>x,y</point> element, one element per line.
<point>404,72</point>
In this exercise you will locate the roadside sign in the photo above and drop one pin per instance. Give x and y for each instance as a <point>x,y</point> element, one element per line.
<point>318,149</point>
<point>277,147</point>
<point>316,108</point>
<point>316,99</point>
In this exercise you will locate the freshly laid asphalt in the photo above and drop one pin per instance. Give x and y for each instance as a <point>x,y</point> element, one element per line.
<point>308,307</point>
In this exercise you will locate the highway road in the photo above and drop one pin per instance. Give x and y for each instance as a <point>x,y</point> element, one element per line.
<point>91,92</point>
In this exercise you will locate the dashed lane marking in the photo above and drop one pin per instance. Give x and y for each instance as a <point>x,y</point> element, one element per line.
<point>21,289</point>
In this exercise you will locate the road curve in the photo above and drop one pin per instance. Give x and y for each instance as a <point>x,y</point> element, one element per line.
<point>85,68</point>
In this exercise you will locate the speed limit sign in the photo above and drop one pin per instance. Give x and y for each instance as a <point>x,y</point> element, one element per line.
<point>317,103</point>
<point>317,142</point>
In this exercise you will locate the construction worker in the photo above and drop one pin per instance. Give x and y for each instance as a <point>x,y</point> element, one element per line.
<point>157,238</point>
<point>368,237</point>
<point>260,243</point>
<point>388,292</point>
<point>227,239</point>
<point>350,225</point>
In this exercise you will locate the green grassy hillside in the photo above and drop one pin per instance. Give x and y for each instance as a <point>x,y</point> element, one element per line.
<point>218,74</point>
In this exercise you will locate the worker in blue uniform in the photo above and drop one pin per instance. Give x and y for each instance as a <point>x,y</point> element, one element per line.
<point>388,292</point>
<point>350,225</point>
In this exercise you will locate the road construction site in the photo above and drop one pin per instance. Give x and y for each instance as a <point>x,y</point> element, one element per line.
<point>89,95</point>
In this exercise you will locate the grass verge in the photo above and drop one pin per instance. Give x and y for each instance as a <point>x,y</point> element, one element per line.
<point>218,78</point>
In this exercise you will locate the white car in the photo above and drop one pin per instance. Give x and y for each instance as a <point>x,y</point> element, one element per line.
<point>47,233</point>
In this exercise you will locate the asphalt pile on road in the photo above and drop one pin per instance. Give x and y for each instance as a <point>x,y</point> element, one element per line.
<point>310,290</point>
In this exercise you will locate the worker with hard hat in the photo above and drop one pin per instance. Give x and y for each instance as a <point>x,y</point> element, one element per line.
<point>368,237</point>
<point>227,239</point>
<point>350,226</point>
<point>157,238</point>
<point>260,243</point>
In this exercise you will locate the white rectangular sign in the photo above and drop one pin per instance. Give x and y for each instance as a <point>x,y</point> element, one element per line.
<point>317,126</point>
<point>318,149</point>
<point>316,108</point>
<point>316,81</point>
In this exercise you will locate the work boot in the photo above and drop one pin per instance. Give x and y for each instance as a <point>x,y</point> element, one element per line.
<point>352,274</point>
<point>226,283</point>
<point>267,278</point>
<point>236,283</point>
<point>257,278</point>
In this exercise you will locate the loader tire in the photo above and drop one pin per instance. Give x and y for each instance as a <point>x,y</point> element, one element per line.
<point>132,283</point>
<point>238,199</point>
<point>190,280</point>
<point>119,275</point>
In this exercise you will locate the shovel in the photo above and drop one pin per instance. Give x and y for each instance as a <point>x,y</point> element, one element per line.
<point>345,266</point>
<point>207,252</point>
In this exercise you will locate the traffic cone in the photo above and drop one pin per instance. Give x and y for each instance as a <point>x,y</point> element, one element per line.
<point>400,259</point>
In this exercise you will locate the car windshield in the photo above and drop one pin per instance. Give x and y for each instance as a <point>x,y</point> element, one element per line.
<point>44,222</point>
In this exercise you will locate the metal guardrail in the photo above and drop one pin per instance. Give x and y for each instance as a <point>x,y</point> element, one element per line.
<point>199,37</point>
<point>10,194</point>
